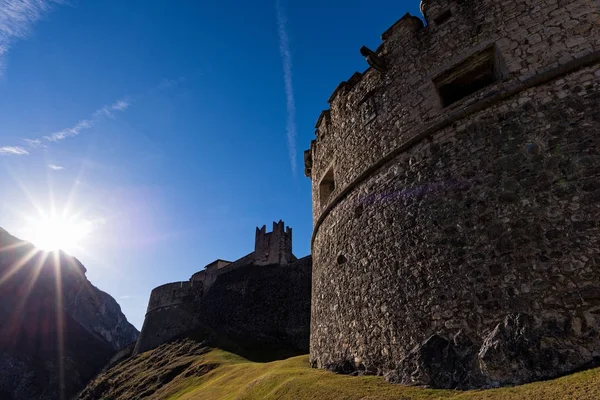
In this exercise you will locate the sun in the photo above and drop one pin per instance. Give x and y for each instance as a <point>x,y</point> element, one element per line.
<point>57,232</point>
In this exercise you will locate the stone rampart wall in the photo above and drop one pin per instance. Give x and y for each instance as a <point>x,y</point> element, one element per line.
<point>262,307</point>
<point>170,313</point>
<point>164,324</point>
<point>457,245</point>
<point>174,293</point>
<point>481,243</point>
<point>251,305</point>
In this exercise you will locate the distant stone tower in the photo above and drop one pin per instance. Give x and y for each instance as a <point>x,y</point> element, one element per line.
<point>456,198</point>
<point>273,247</point>
<point>176,308</point>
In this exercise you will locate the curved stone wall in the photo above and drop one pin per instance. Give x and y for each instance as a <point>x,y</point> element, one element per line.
<point>174,293</point>
<point>373,113</point>
<point>171,312</point>
<point>264,310</point>
<point>460,246</point>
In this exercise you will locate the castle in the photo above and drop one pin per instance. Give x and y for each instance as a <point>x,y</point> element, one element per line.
<point>214,298</point>
<point>456,209</point>
<point>269,248</point>
<point>456,199</point>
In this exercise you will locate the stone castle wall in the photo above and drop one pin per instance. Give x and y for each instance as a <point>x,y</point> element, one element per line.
<point>372,113</point>
<point>458,245</point>
<point>175,293</point>
<point>180,307</point>
<point>170,313</point>
<point>263,306</point>
<point>165,324</point>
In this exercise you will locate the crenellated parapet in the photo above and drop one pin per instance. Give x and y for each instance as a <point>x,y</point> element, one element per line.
<point>274,247</point>
<point>428,71</point>
<point>405,29</point>
<point>436,12</point>
<point>175,308</point>
<point>455,203</point>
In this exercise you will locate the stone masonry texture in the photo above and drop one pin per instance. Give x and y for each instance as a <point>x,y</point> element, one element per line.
<point>261,300</point>
<point>251,308</point>
<point>459,245</point>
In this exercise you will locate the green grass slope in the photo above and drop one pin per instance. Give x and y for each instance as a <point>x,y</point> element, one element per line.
<point>187,370</point>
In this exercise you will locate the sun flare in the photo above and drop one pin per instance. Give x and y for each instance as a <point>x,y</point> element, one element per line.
<point>57,232</point>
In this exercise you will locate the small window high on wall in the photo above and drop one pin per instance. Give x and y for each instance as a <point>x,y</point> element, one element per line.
<point>470,76</point>
<point>326,187</point>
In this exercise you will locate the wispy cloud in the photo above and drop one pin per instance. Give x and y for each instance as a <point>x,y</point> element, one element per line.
<point>55,167</point>
<point>107,111</point>
<point>16,19</point>
<point>34,142</point>
<point>286,58</point>
<point>72,131</point>
<point>13,151</point>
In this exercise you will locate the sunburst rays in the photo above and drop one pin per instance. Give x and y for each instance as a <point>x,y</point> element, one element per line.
<point>17,265</point>
<point>23,267</point>
<point>60,323</point>
<point>18,312</point>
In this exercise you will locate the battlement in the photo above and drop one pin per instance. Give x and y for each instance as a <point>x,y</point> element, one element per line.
<point>278,229</point>
<point>274,247</point>
<point>409,45</point>
<point>405,28</point>
<point>408,25</point>
<point>436,12</point>
<point>176,308</point>
<point>423,75</point>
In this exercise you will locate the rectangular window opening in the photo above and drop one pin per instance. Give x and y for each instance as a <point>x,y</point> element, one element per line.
<point>443,17</point>
<point>326,187</point>
<point>468,77</point>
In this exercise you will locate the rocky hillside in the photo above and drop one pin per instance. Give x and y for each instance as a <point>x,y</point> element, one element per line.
<point>188,369</point>
<point>58,329</point>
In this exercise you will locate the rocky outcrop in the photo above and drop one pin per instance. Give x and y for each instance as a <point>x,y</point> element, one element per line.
<point>99,313</point>
<point>522,348</point>
<point>58,329</point>
<point>437,362</point>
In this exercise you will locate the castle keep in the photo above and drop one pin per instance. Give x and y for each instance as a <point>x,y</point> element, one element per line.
<point>456,199</point>
<point>240,299</point>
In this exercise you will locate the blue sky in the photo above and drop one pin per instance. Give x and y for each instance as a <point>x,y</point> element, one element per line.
<point>170,128</point>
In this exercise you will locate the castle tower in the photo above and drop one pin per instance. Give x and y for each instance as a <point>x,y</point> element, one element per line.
<point>274,247</point>
<point>455,190</point>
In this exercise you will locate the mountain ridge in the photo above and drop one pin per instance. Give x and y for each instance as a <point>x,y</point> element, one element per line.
<point>60,329</point>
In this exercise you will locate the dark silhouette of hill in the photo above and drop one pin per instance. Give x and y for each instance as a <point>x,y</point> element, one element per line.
<point>57,329</point>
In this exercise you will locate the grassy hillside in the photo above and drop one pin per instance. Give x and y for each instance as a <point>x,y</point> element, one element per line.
<point>188,370</point>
